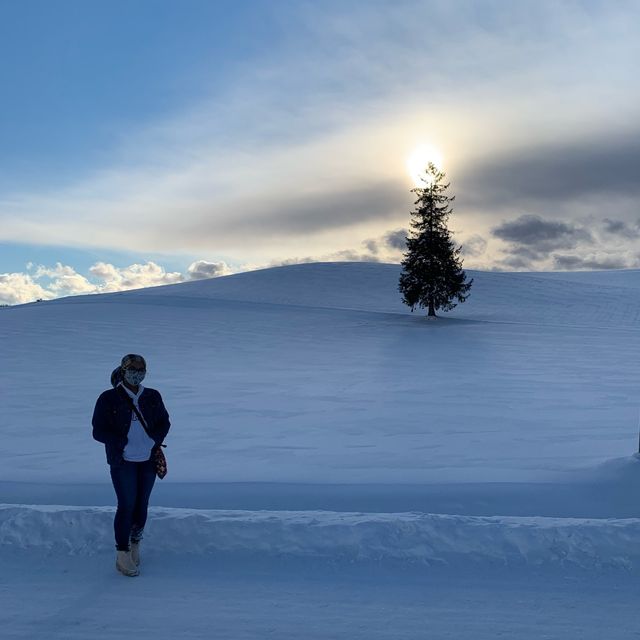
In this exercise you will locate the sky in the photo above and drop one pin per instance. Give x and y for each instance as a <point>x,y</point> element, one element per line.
<point>151,141</point>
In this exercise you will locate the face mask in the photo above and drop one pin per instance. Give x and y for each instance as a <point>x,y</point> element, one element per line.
<point>134,377</point>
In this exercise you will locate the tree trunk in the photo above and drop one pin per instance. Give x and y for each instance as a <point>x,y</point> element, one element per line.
<point>432,309</point>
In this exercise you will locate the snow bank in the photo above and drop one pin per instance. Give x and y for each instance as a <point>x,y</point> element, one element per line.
<point>412,537</point>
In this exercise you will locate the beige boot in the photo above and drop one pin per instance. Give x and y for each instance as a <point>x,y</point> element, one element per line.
<point>135,553</point>
<point>125,565</point>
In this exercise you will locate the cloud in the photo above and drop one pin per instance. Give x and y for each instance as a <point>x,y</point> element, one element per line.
<point>517,263</point>
<point>136,276</point>
<point>396,239</point>
<point>534,243</point>
<point>621,228</point>
<point>347,255</point>
<point>19,288</point>
<point>531,240</point>
<point>603,262</point>
<point>540,236</point>
<point>202,269</point>
<point>474,246</point>
<point>371,246</point>
<point>64,280</point>
<point>384,248</point>
<point>47,283</point>
<point>387,247</point>
<point>324,209</point>
<point>390,243</point>
<point>599,168</point>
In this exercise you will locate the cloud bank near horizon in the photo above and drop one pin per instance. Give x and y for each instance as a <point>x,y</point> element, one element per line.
<point>40,282</point>
<point>47,283</point>
<point>528,243</point>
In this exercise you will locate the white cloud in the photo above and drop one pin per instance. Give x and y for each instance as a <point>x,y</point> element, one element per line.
<point>19,288</point>
<point>136,276</point>
<point>61,280</point>
<point>65,281</point>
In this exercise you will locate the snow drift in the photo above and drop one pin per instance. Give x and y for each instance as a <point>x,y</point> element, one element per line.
<point>407,537</point>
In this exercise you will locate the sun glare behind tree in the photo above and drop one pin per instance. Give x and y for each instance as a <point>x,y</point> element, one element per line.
<point>421,157</point>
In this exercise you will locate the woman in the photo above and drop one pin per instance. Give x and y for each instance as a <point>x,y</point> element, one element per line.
<point>130,446</point>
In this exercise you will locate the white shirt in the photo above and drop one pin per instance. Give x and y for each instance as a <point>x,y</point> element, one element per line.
<point>139,444</point>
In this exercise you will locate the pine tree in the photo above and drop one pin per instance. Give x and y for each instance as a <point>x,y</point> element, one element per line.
<point>432,275</point>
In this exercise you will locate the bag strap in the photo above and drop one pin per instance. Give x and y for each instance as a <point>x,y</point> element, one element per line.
<point>124,394</point>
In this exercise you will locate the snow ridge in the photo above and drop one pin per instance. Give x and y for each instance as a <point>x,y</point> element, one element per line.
<point>432,539</point>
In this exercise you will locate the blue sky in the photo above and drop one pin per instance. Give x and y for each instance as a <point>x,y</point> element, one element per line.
<point>172,140</point>
<point>84,73</point>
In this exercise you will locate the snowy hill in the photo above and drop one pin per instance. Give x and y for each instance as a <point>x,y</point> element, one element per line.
<point>317,373</point>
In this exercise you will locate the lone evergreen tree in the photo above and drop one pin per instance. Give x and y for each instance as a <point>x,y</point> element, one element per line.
<point>432,275</point>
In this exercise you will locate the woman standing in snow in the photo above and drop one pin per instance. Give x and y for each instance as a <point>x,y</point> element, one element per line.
<point>132,422</point>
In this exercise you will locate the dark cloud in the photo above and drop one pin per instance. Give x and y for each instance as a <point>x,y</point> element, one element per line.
<point>349,255</point>
<point>371,246</point>
<point>614,226</point>
<point>291,261</point>
<point>562,172</point>
<point>532,239</point>
<point>572,263</point>
<point>370,252</point>
<point>202,269</point>
<point>474,246</point>
<point>354,256</point>
<point>533,233</point>
<point>396,239</point>
<point>323,211</point>
<point>621,228</point>
<point>519,262</point>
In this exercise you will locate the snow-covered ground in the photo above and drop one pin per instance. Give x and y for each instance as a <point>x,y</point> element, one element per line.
<point>76,597</point>
<point>339,467</point>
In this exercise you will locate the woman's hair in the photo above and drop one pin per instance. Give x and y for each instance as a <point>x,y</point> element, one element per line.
<point>117,376</point>
<point>133,358</point>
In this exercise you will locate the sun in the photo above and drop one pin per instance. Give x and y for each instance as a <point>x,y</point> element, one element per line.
<point>419,159</point>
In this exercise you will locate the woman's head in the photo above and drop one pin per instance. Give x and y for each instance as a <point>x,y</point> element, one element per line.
<point>134,369</point>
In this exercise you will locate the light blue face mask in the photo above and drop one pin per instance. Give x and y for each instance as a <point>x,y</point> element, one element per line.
<point>134,377</point>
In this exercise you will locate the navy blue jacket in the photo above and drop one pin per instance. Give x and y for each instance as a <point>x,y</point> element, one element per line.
<point>112,419</point>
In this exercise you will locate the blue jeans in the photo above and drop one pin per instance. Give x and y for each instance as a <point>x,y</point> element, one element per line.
<point>133,482</point>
